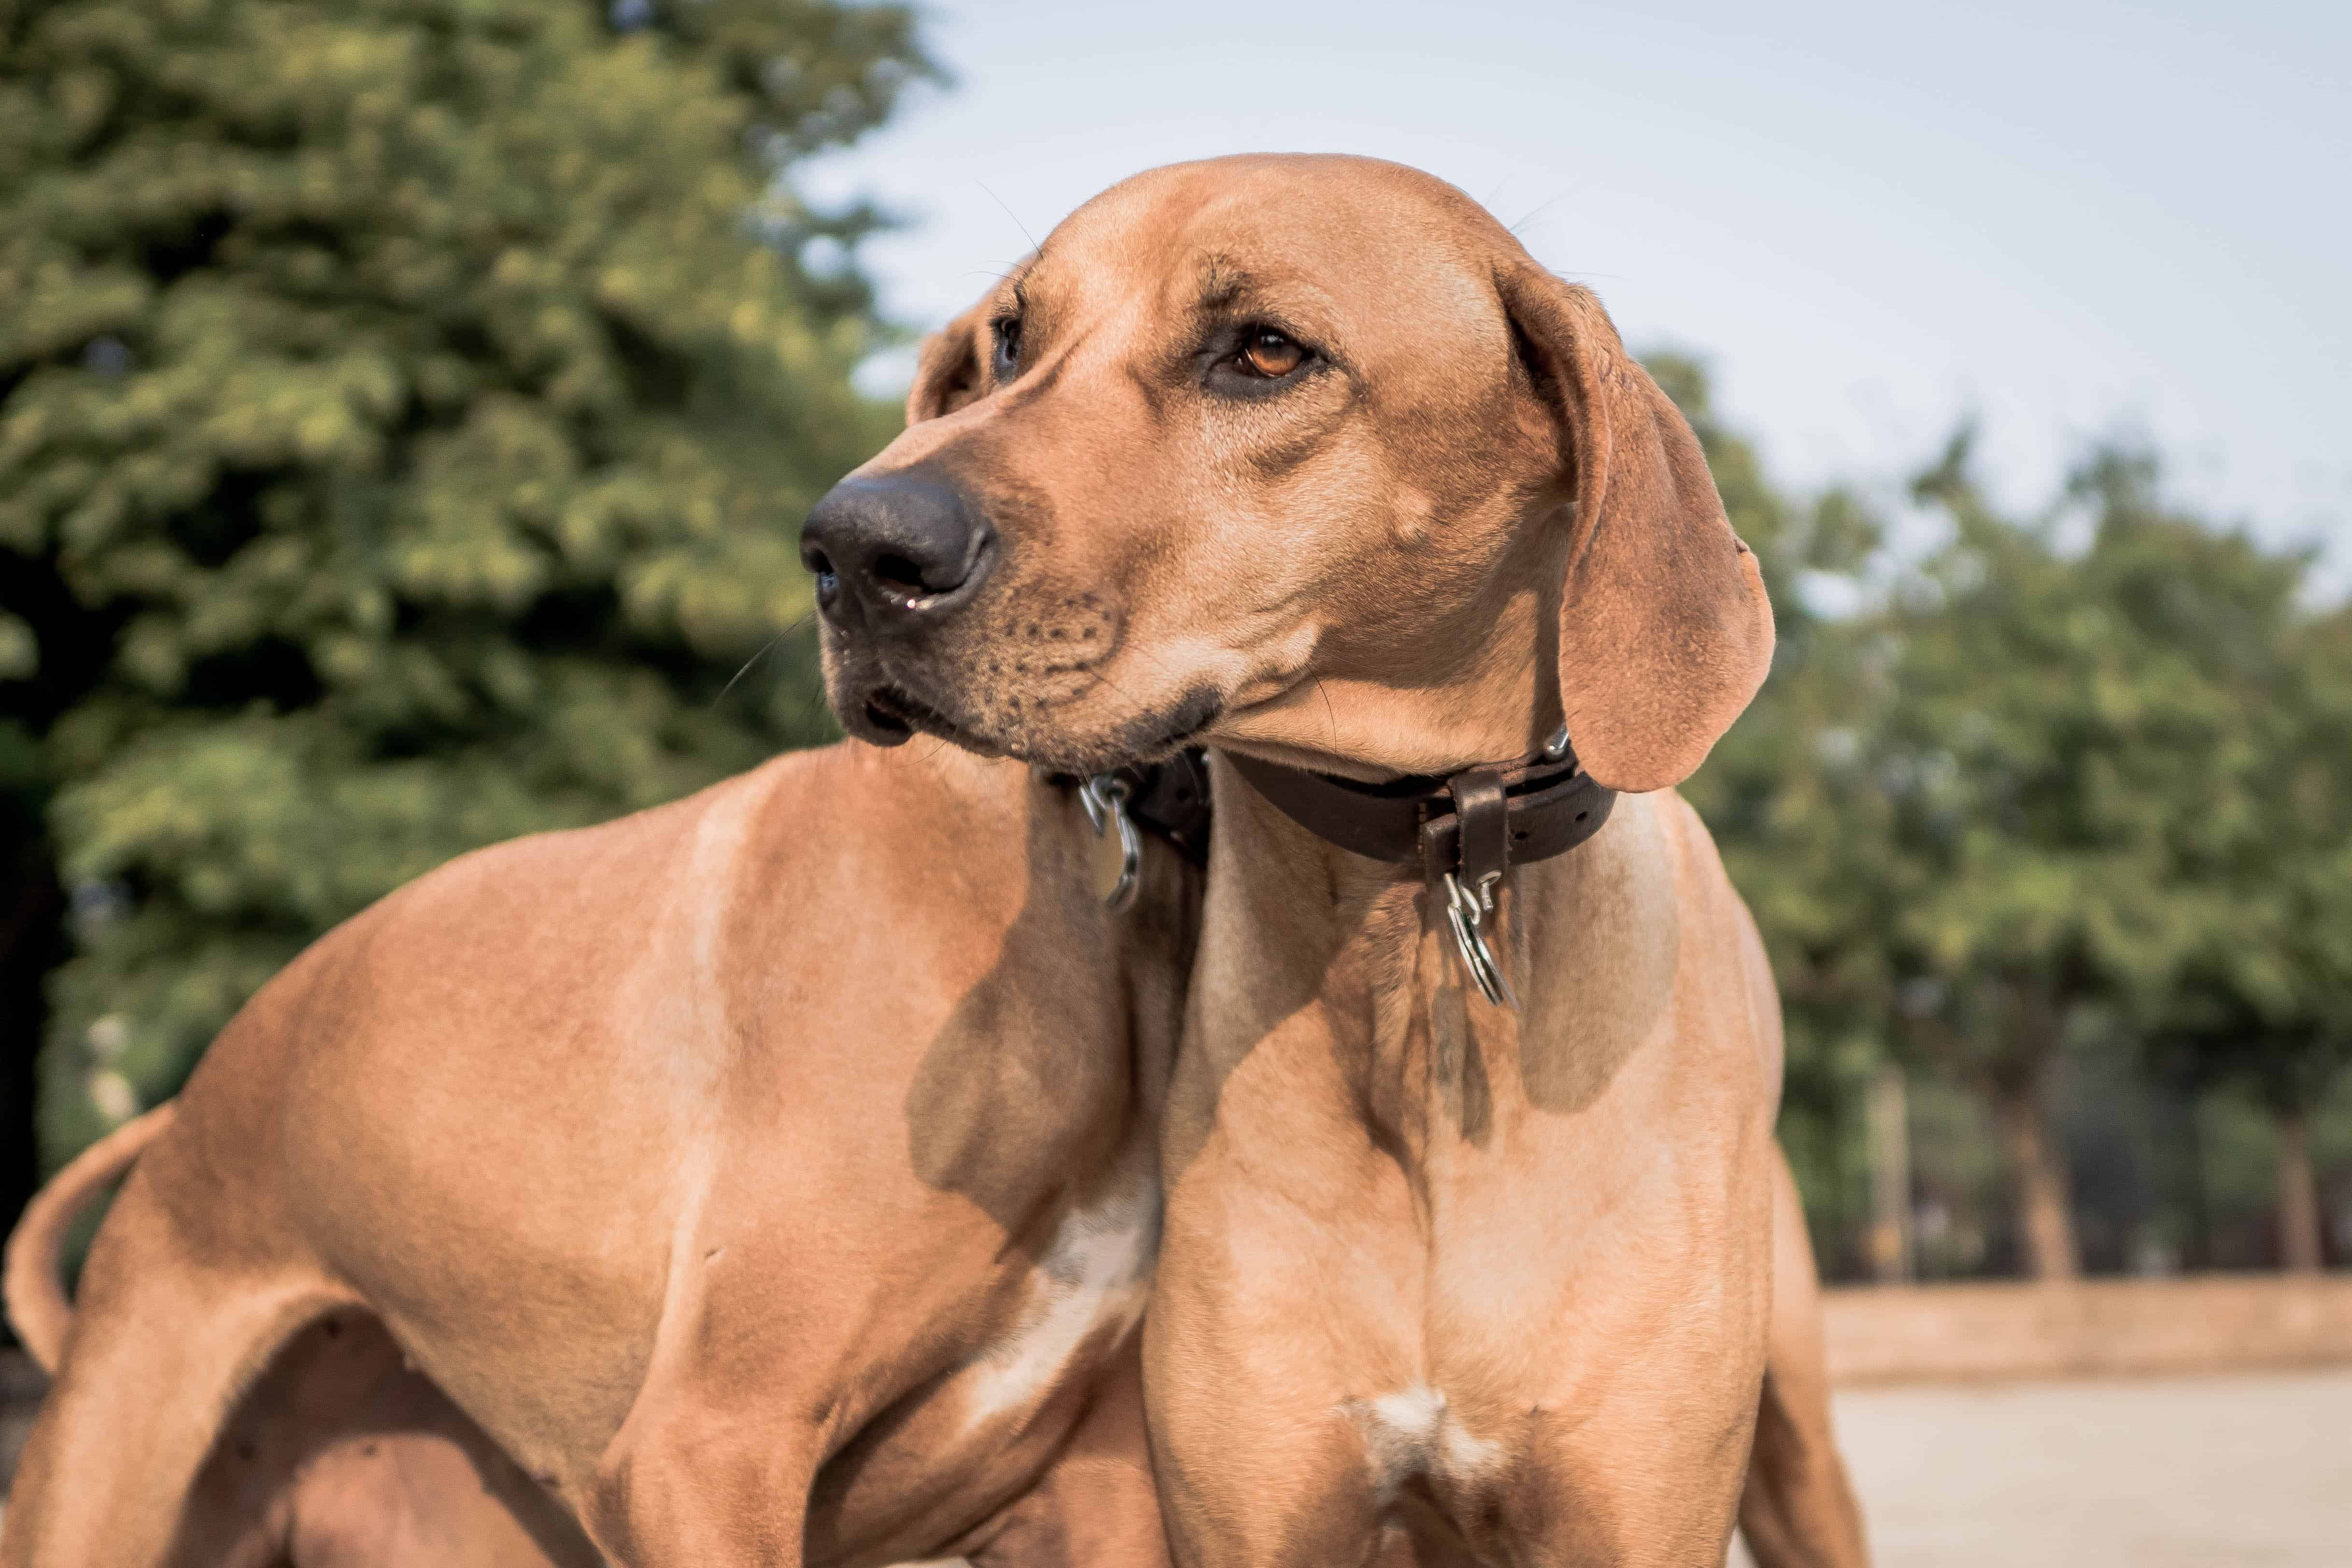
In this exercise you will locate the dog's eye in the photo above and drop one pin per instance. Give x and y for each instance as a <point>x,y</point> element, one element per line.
<point>1268,353</point>
<point>1008,347</point>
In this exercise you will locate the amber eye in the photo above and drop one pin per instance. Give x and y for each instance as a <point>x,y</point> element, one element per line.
<point>1270,354</point>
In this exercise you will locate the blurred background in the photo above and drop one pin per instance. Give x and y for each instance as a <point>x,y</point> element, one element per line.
<point>407,408</point>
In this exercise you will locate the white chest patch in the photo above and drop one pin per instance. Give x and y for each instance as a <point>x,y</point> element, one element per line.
<point>1094,1281</point>
<point>1414,1432</point>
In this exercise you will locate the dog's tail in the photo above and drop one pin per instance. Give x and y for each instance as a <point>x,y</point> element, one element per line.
<point>34,1283</point>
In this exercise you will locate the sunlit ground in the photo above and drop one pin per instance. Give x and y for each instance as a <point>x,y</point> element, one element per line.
<point>2242,1471</point>
<point>2218,1472</point>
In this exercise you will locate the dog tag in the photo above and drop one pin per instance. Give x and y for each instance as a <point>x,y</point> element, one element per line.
<point>1109,864</point>
<point>1117,853</point>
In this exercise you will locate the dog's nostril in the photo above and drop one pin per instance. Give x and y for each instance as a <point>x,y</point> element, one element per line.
<point>828,581</point>
<point>897,571</point>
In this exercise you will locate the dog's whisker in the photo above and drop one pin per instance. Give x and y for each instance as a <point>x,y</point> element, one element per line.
<point>1100,679</point>
<point>1011,214</point>
<point>766,648</point>
<point>1120,692</point>
<point>1153,659</point>
<point>1544,207</point>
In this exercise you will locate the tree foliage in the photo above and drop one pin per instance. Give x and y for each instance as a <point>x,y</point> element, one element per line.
<point>406,407</point>
<point>2262,995</point>
<point>2060,778</point>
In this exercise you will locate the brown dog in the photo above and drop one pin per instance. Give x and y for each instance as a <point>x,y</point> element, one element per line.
<point>772,1174</point>
<point>1304,457</point>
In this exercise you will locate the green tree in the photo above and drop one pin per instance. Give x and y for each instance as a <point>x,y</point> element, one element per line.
<point>2067,748</point>
<point>2261,997</point>
<point>405,411</point>
<point>2033,795</point>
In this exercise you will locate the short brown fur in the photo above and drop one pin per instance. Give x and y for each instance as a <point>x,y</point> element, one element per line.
<point>723,1165</point>
<point>1442,1280</point>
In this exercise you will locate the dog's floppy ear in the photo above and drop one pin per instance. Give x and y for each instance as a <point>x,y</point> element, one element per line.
<point>1664,629</point>
<point>949,370</point>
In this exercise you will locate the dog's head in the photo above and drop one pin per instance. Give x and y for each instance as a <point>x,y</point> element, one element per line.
<point>1302,455</point>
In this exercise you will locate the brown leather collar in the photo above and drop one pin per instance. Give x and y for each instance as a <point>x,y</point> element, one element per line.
<point>1476,824</point>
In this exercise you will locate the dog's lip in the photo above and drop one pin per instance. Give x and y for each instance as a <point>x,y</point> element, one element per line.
<point>892,707</point>
<point>889,713</point>
<point>1183,740</point>
<point>1195,715</point>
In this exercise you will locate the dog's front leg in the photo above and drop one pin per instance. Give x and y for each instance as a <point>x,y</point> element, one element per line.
<point>1798,1509</point>
<point>1096,1506</point>
<point>1275,1324</point>
<point>687,1484</point>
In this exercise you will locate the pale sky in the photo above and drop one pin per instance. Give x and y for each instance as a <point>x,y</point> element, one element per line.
<point>2070,218</point>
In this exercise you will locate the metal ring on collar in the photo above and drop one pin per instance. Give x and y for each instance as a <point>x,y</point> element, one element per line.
<point>1105,798</point>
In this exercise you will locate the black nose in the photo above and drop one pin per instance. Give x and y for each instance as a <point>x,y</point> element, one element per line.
<point>894,548</point>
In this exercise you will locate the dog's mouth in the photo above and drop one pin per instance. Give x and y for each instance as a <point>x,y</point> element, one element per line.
<point>1149,737</point>
<point>1181,726</point>
<point>894,715</point>
<point>890,712</point>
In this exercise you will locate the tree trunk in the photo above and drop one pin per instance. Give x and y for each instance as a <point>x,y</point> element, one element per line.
<point>2298,1196</point>
<point>2044,1205</point>
<point>1890,1177</point>
<point>2201,1194</point>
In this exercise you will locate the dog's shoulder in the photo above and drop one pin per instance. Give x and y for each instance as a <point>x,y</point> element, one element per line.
<point>1719,918</point>
<point>1699,865</point>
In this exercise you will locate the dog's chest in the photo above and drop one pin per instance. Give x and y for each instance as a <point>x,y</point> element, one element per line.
<point>1415,1432</point>
<point>1085,1293</point>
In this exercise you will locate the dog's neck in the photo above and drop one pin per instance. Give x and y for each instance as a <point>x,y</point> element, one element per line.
<point>1329,960</point>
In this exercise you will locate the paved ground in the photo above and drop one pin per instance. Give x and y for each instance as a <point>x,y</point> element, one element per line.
<point>2249,1471</point>
<point>2242,1471</point>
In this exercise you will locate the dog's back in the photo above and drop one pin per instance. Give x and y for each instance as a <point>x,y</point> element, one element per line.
<point>772,1101</point>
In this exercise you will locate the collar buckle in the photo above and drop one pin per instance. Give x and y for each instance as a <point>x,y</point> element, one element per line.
<point>1465,831</point>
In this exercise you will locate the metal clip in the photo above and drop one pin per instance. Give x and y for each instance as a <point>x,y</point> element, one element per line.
<point>1105,798</point>
<point>1463,912</point>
